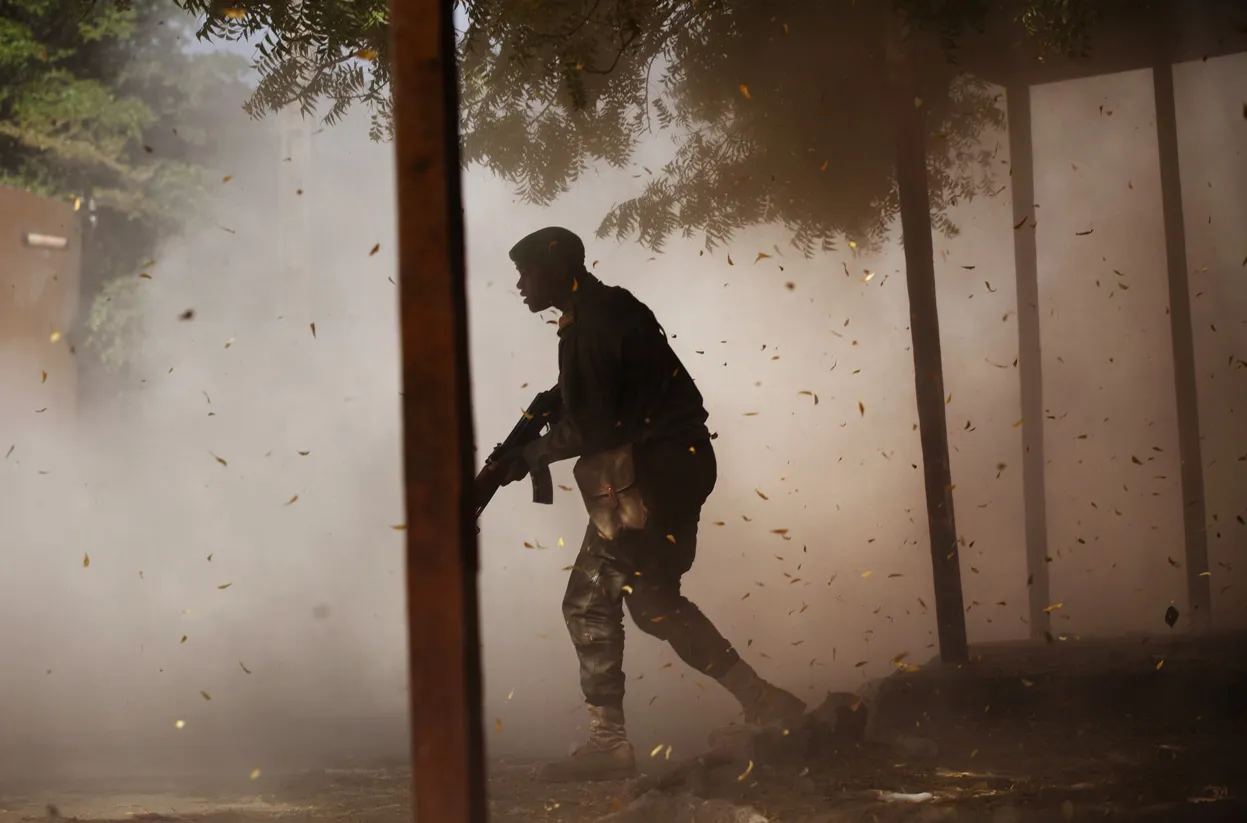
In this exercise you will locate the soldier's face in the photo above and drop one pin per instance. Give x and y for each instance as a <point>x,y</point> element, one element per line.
<point>536,286</point>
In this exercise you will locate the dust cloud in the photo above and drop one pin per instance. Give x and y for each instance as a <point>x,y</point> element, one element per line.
<point>237,491</point>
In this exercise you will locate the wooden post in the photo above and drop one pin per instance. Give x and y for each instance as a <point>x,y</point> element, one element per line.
<point>1030,364</point>
<point>911,179</point>
<point>1198,590</point>
<point>443,632</point>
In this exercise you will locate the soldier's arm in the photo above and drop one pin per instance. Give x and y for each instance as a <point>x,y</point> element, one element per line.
<point>590,380</point>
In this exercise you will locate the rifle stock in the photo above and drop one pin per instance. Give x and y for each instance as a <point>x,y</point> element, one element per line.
<point>543,411</point>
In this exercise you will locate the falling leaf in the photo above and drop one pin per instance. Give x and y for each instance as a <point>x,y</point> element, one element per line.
<point>1174,563</point>
<point>183,640</point>
<point>255,774</point>
<point>235,13</point>
<point>989,286</point>
<point>227,178</point>
<point>375,249</point>
<point>86,560</point>
<point>498,724</point>
<point>225,586</point>
<point>760,494</point>
<point>1083,233</point>
<point>741,777</point>
<point>220,460</point>
<point>671,537</point>
<point>313,325</point>
<point>867,573</point>
<point>1160,664</point>
<point>367,54</point>
<point>824,168</point>
<point>179,724</point>
<point>761,256</point>
<point>189,314</point>
<point>10,451</point>
<point>730,262</point>
<point>1026,682</point>
<point>859,664</point>
<point>656,750</point>
<point>45,378</point>
<point>244,668</point>
<point>745,91</point>
<point>1053,607</point>
<point>401,527</point>
<point>291,500</point>
<point>205,695</point>
<point>1019,422</point>
<point>861,407</point>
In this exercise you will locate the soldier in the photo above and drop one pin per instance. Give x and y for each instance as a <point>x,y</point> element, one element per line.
<point>636,420</point>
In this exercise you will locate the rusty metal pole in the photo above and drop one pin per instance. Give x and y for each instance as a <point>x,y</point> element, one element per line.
<point>1199,594</point>
<point>1030,355</point>
<point>442,617</point>
<point>924,324</point>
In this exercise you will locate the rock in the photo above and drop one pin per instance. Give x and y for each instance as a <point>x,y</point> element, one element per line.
<point>657,807</point>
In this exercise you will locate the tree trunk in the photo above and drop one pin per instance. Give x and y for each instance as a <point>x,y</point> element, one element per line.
<point>443,631</point>
<point>911,179</point>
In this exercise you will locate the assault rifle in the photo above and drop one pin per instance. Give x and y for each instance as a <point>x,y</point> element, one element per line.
<point>543,411</point>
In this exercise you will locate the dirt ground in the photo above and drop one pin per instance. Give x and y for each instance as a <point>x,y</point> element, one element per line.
<point>1015,774</point>
<point>1137,731</point>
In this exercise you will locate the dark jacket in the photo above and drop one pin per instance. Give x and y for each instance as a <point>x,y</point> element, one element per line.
<point>620,380</point>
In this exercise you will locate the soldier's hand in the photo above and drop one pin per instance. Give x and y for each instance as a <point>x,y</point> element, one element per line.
<point>511,468</point>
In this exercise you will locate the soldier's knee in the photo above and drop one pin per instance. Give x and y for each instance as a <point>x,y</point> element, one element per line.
<point>651,611</point>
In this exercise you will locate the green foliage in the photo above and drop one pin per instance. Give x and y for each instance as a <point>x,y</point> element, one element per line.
<point>781,111</point>
<point>92,98</point>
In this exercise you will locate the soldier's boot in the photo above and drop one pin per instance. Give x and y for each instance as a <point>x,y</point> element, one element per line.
<point>607,755</point>
<point>764,703</point>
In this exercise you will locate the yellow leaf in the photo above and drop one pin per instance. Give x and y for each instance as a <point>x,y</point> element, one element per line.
<point>671,537</point>
<point>401,527</point>
<point>235,13</point>
<point>824,166</point>
<point>367,54</point>
<point>55,336</point>
<point>291,500</point>
<point>741,777</point>
<point>1018,423</point>
<point>761,256</point>
<point>205,695</point>
<point>1053,607</point>
<point>227,178</point>
<point>179,724</point>
<point>1160,664</point>
<point>779,531</point>
<point>86,560</point>
<point>745,91</point>
<point>498,724</point>
<point>255,774</point>
<point>867,573</point>
<point>656,750</point>
<point>45,378</point>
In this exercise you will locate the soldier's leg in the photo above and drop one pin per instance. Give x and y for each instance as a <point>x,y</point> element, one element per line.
<point>593,611</point>
<point>678,481</point>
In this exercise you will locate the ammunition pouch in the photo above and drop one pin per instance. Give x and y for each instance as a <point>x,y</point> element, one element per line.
<point>608,484</point>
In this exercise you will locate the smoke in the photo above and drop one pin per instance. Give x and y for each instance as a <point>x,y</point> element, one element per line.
<point>236,495</point>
